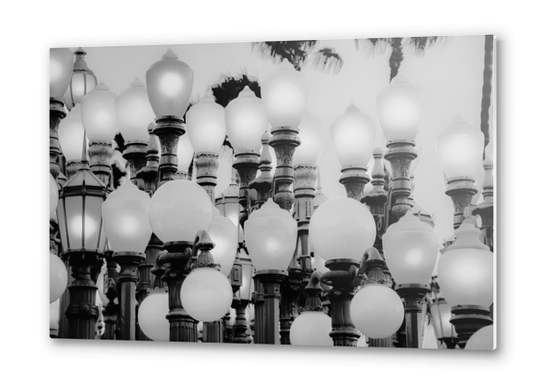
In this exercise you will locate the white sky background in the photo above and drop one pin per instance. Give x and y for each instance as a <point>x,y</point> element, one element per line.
<point>450,74</point>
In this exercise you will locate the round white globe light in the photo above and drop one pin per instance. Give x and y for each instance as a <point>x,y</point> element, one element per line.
<point>152,316</point>
<point>481,340</point>
<point>58,278</point>
<point>312,329</point>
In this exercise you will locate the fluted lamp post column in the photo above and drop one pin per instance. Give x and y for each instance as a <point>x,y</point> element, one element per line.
<point>125,214</point>
<point>169,86</point>
<point>341,230</point>
<point>400,110</point>
<point>178,210</point>
<point>353,136</point>
<point>270,239</point>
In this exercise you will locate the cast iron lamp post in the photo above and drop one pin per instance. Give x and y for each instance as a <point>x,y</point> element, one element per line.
<point>82,81</point>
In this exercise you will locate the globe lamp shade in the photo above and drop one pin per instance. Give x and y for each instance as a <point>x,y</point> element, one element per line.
<point>99,115</point>
<point>53,196</point>
<point>460,148</point>
<point>246,122</point>
<point>185,153</point>
<point>58,278</point>
<point>71,134</point>
<point>411,248</point>
<point>82,81</point>
<point>342,228</point>
<point>311,329</point>
<point>206,125</point>
<point>353,136</point>
<point>312,134</point>
<point>481,340</point>
<point>285,95</point>
<point>178,210</point>
<point>224,234</point>
<point>206,294</point>
<point>169,85</point>
<point>134,112</point>
<point>152,316</point>
<point>61,70</point>
<point>400,109</point>
<point>466,269</point>
<point>126,218</point>
<point>271,235</point>
<point>377,311</point>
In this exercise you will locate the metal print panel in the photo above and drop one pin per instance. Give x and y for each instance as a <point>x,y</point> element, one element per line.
<point>303,193</point>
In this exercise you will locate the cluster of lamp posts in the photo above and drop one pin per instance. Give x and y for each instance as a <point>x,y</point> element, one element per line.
<point>380,252</point>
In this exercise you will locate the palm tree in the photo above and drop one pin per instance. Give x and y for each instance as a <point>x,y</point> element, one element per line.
<point>300,53</point>
<point>486,88</point>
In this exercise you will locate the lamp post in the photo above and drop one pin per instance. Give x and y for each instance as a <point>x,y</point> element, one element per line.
<point>242,298</point>
<point>353,136</point>
<point>82,81</point>
<point>485,209</point>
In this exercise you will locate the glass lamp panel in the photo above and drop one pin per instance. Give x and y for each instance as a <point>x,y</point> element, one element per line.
<point>126,219</point>
<point>61,69</point>
<point>312,134</point>
<point>460,148</point>
<point>246,122</point>
<point>411,250</point>
<point>134,112</point>
<point>231,211</point>
<point>185,153</point>
<point>311,329</point>
<point>179,209</point>
<point>169,85</point>
<point>247,285</point>
<point>342,228</point>
<point>152,316</point>
<point>206,125</point>
<point>99,115</point>
<point>224,234</point>
<point>400,109</point>
<point>71,133</point>
<point>285,95</point>
<point>73,206</point>
<point>271,235</point>
<point>353,136</point>
<point>441,312</point>
<point>94,230</point>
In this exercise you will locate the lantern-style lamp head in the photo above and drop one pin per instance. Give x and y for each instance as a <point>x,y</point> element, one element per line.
<point>441,313</point>
<point>285,95</point>
<point>206,125</point>
<point>460,148</point>
<point>271,235</point>
<point>312,134</point>
<point>83,80</point>
<point>179,209</point>
<point>400,108</point>
<point>61,67</point>
<point>126,219</point>
<point>411,248</point>
<point>134,112</point>
<point>99,115</point>
<point>152,316</point>
<point>228,202</point>
<point>224,234</point>
<point>466,269</point>
<point>246,122</point>
<point>71,133</point>
<point>247,271</point>
<point>169,85</point>
<point>353,136</point>
<point>342,228</point>
<point>185,153</point>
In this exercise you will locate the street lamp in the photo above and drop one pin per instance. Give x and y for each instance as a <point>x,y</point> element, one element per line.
<point>152,314</point>
<point>481,340</point>
<point>71,135</point>
<point>82,81</point>
<point>352,136</point>
<point>441,313</point>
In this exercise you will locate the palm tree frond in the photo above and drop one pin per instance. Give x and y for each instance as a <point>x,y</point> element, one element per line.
<point>418,45</point>
<point>326,59</point>
<point>295,51</point>
<point>372,47</point>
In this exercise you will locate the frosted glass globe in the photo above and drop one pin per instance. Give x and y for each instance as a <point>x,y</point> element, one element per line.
<point>185,153</point>
<point>246,122</point>
<point>285,95</point>
<point>342,228</point>
<point>312,329</point>
<point>99,115</point>
<point>400,109</point>
<point>481,340</point>
<point>271,235</point>
<point>206,294</point>
<point>54,315</point>
<point>152,316</point>
<point>61,70</point>
<point>179,209</point>
<point>411,248</point>
<point>460,148</point>
<point>377,311</point>
<point>53,196</point>
<point>71,133</point>
<point>353,136</point>
<point>312,134</point>
<point>126,219</point>
<point>58,278</point>
<point>169,85</point>
<point>134,112</point>
<point>206,125</point>
<point>224,234</point>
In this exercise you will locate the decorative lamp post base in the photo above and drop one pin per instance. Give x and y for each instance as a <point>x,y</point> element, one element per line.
<point>246,165</point>
<point>461,190</point>
<point>168,129</point>
<point>414,298</point>
<point>400,154</point>
<point>284,141</point>
<point>267,305</point>
<point>100,154</point>
<point>354,180</point>
<point>136,157</point>
<point>207,169</point>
